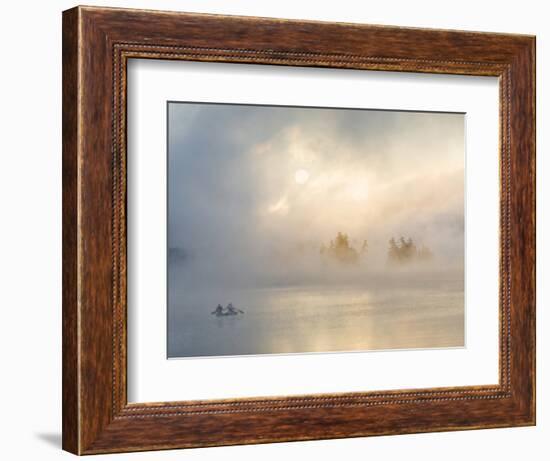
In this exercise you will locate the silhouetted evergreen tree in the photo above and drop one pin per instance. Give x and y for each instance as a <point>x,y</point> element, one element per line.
<point>340,250</point>
<point>406,251</point>
<point>393,251</point>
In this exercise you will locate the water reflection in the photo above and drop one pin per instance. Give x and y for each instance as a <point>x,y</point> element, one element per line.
<point>317,319</point>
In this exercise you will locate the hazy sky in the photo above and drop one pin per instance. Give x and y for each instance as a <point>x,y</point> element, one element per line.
<point>250,184</point>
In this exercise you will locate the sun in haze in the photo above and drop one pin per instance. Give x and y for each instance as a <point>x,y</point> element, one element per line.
<point>301,176</point>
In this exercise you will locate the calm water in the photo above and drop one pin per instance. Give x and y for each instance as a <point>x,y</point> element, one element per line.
<point>423,313</point>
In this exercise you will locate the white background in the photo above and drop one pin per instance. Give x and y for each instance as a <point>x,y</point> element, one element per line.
<point>153,378</point>
<point>30,243</point>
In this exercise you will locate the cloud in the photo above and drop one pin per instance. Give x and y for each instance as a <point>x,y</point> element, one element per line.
<point>373,174</point>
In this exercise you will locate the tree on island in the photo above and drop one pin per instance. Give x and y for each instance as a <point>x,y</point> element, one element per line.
<point>341,251</point>
<point>393,251</point>
<point>406,251</point>
<point>364,248</point>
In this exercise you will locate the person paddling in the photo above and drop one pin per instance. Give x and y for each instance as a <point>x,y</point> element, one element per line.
<point>219,310</point>
<point>232,310</point>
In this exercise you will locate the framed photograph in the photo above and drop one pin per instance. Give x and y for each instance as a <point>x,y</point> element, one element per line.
<point>282,230</point>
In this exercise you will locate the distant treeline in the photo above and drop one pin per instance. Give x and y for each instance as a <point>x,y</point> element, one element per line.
<point>400,251</point>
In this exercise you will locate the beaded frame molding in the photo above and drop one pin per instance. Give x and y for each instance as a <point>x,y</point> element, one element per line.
<point>97,43</point>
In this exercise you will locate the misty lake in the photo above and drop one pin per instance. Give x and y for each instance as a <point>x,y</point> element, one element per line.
<point>419,312</point>
<point>333,229</point>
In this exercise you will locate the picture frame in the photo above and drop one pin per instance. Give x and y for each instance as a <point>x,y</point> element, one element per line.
<point>97,45</point>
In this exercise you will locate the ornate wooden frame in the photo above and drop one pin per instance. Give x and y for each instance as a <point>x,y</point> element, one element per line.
<point>97,43</point>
